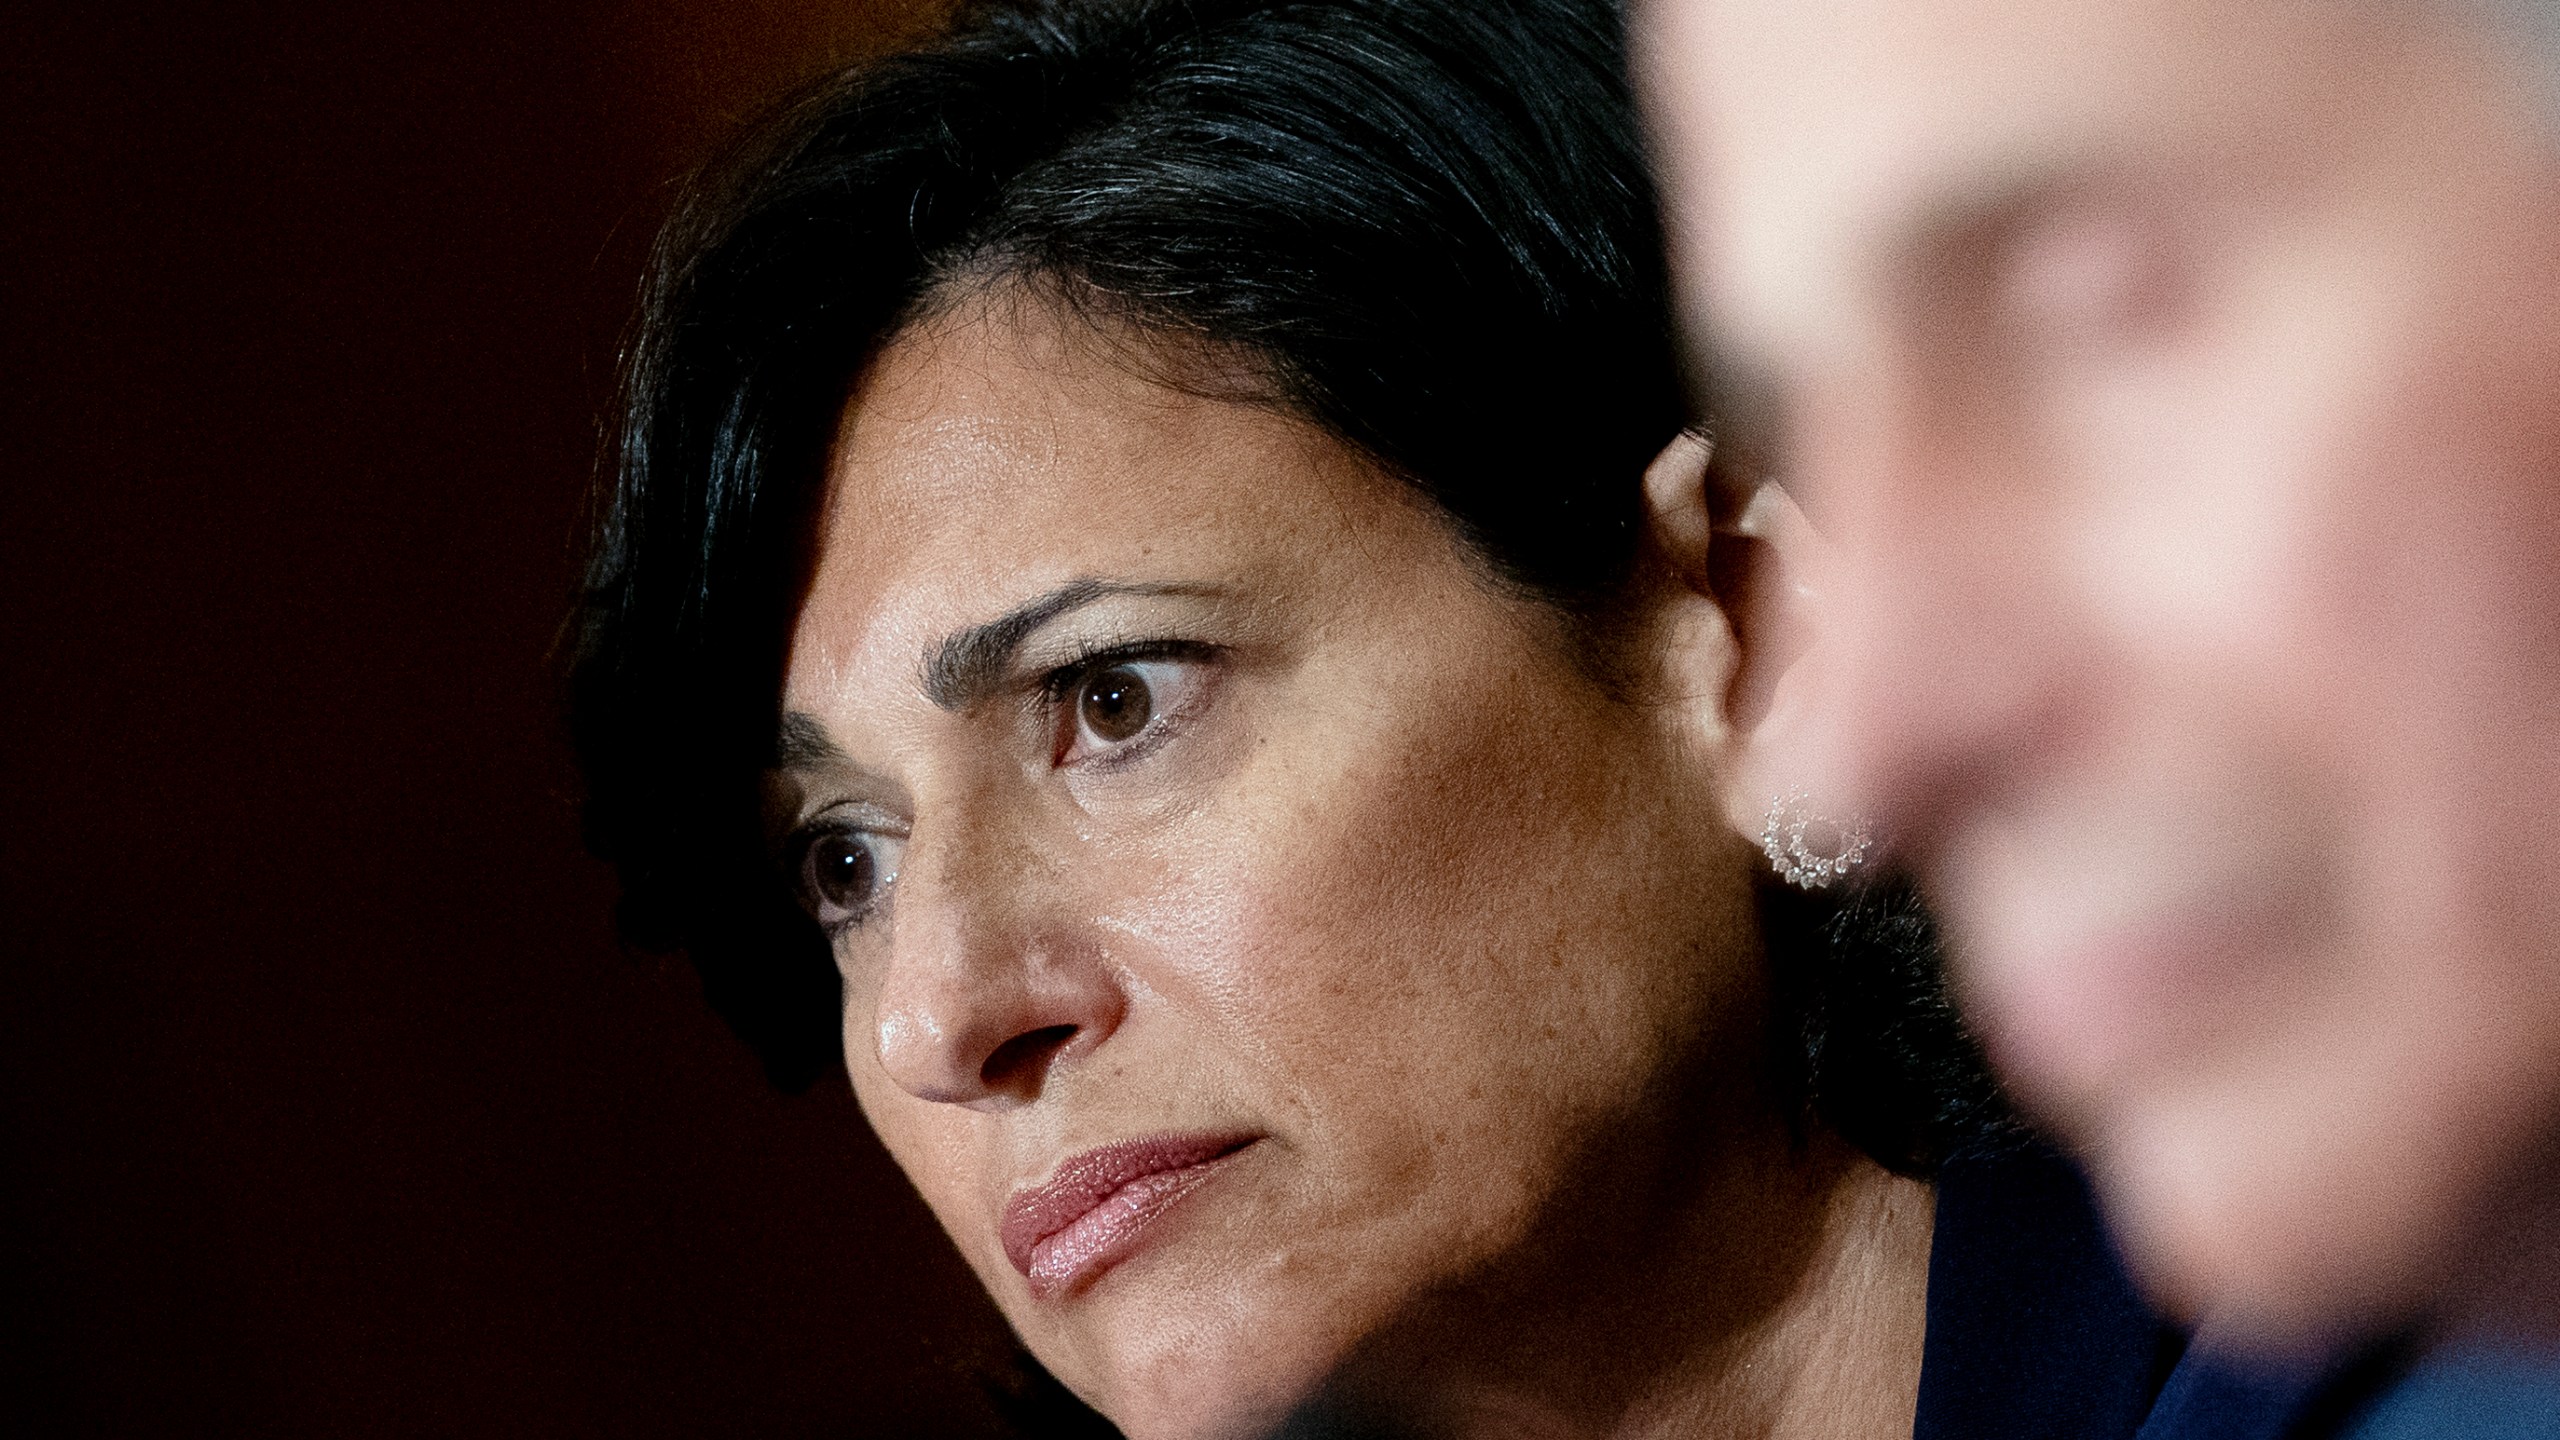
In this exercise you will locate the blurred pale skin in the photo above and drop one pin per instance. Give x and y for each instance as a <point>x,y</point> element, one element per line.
<point>1458,936</point>
<point>2179,386</point>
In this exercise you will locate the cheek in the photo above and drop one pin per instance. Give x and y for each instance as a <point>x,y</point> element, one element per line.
<point>925,1139</point>
<point>2349,545</point>
<point>2393,645</point>
<point>944,1151</point>
<point>2421,617</point>
<point>1436,946</point>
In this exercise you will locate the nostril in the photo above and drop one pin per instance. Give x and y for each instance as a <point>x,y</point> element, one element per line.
<point>1018,1063</point>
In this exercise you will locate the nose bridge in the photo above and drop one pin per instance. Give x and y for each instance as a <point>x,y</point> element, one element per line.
<point>962,882</point>
<point>990,976</point>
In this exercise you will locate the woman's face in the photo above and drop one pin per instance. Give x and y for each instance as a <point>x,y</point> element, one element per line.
<point>1252,919</point>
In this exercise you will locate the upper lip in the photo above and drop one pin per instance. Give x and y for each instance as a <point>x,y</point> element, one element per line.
<point>1084,1181</point>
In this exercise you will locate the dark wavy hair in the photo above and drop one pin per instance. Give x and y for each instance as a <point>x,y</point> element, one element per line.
<point>1425,225</point>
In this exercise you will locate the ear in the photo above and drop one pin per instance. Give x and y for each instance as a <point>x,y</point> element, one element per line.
<point>1739,549</point>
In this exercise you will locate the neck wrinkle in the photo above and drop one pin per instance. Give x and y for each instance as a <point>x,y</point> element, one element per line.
<point>1838,1358</point>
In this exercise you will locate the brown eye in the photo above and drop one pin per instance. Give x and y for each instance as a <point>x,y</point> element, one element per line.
<point>841,871</point>
<point>844,872</point>
<point>1115,705</point>
<point>1123,709</point>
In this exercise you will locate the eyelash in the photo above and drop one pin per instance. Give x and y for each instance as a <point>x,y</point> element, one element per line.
<point>796,854</point>
<point>1059,689</point>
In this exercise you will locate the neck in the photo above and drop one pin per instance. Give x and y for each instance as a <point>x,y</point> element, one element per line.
<point>1785,1300</point>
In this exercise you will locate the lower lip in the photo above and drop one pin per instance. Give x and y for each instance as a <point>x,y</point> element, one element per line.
<point>1112,1231</point>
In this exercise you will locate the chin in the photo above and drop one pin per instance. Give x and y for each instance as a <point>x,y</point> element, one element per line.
<point>1179,1359</point>
<point>1199,1418</point>
<point>1203,1395</point>
<point>2286,1225</point>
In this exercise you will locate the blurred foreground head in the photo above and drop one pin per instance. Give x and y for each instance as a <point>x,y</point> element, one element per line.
<point>2180,383</point>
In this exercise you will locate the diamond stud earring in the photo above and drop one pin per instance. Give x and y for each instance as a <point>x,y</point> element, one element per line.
<point>1807,849</point>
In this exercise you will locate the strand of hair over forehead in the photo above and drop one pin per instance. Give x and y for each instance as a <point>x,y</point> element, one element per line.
<point>1202,70</point>
<point>1209,52</point>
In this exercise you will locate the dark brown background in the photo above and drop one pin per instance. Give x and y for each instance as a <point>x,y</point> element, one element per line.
<point>328,1105</point>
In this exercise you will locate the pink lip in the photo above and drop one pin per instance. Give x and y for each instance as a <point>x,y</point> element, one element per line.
<point>1092,1213</point>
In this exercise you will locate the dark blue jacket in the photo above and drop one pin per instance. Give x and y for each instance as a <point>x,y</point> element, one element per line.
<point>2035,1333</point>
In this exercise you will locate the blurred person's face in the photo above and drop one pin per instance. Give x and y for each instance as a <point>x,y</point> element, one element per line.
<point>2181,383</point>
<point>1251,916</point>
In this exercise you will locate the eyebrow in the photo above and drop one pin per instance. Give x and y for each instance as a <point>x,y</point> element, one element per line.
<point>966,667</point>
<point>970,664</point>
<point>805,744</point>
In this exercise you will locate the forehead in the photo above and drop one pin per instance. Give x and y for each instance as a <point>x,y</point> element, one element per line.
<point>1816,143</point>
<point>1002,450</point>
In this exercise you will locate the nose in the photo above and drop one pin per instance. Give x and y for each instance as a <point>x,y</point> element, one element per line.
<point>995,975</point>
<point>1954,636</point>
